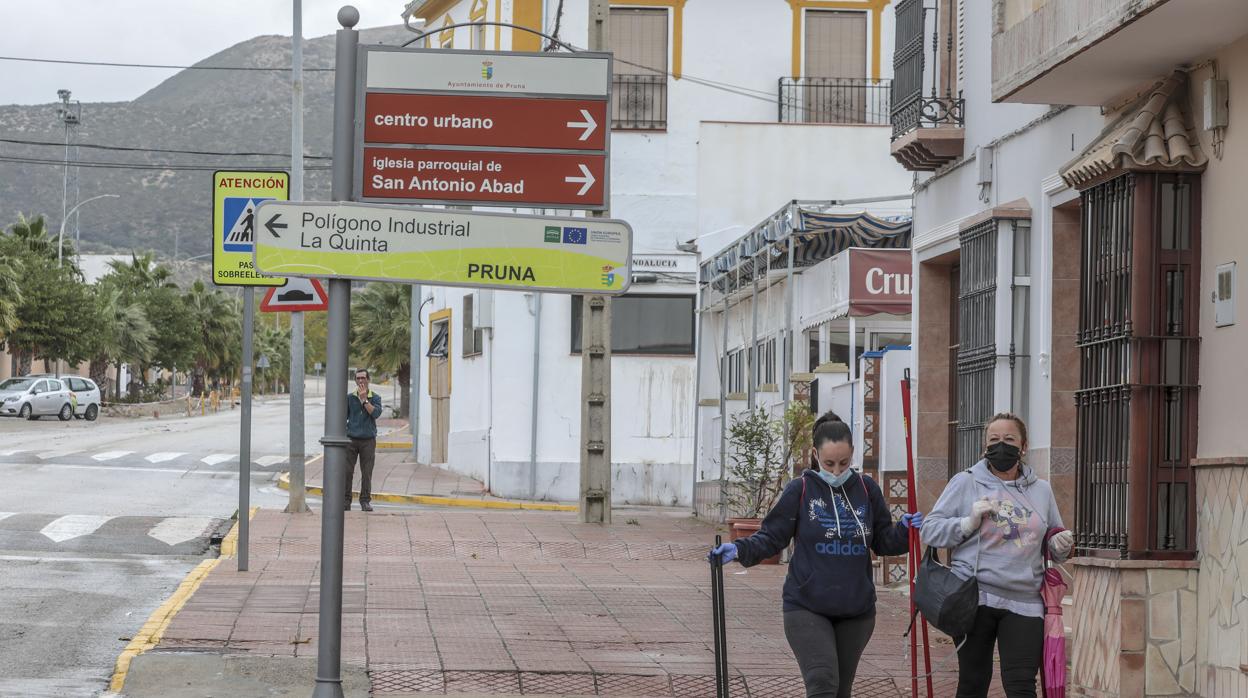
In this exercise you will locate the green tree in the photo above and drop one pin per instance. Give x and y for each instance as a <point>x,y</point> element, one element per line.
<point>55,317</point>
<point>216,318</point>
<point>381,332</point>
<point>273,343</point>
<point>141,273</point>
<point>10,292</point>
<point>124,335</point>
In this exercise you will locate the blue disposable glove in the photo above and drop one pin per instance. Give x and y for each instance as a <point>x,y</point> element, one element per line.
<point>726,553</point>
<point>914,520</point>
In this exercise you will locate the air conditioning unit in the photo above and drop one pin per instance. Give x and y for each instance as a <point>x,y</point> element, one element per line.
<point>483,309</point>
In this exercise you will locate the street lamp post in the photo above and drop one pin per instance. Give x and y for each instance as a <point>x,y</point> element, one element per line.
<point>61,236</point>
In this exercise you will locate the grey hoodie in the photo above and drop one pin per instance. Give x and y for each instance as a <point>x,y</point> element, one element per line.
<point>1008,544</point>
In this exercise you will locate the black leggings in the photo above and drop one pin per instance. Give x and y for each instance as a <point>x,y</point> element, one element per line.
<point>827,650</point>
<point>1019,640</point>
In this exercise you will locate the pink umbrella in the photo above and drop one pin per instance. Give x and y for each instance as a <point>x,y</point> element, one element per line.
<point>1053,668</point>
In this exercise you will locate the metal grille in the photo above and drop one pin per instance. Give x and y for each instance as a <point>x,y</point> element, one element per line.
<point>953,465</point>
<point>977,289</point>
<point>835,100</point>
<point>639,102</point>
<point>910,108</point>
<point>1138,375</point>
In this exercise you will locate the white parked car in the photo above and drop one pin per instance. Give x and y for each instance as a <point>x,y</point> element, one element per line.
<point>32,397</point>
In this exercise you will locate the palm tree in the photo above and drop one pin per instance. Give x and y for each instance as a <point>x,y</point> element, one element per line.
<point>217,319</point>
<point>10,292</point>
<point>141,273</point>
<point>32,234</point>
<point>125,335</point>
<point>274,344</point>
<point>381,325</point>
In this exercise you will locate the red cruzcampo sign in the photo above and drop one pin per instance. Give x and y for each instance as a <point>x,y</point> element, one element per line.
<point>464,176</point>
<point>471,120</point>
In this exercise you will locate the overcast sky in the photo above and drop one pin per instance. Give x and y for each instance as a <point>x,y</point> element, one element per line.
<point>177,32</point>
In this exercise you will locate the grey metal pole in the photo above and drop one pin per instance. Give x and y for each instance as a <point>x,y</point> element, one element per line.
<point>414,360</point>
<point>788,325</point>
<point>697,390</point>
<point>723,412</point>
<point>244,436</point>
<point>329,640</point>
<point>537,353</point>
<point>297,503</point>
<point>595,486</point>
<point>752,354</point>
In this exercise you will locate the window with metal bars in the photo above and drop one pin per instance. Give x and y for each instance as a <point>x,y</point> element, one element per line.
<point>976,362</point>
<point>1138,338</point>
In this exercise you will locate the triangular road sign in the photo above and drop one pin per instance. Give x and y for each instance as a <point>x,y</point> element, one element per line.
<point>298,294</point>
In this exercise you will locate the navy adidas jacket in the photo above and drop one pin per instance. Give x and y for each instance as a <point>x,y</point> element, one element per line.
<point>835,531</point>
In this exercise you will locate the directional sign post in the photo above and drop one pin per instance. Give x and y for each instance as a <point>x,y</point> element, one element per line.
<point>483,127</point>
<point>446,248</point>
<point>235,198</point>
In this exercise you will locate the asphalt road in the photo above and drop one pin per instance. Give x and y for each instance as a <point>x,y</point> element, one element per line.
<point>100,521</point>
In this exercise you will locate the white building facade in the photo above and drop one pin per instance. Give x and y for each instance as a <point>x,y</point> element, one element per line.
<point>708,136</point>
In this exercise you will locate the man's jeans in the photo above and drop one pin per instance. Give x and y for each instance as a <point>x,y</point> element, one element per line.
<point>366,451</point>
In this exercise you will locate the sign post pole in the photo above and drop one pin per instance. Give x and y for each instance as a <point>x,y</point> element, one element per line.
<point>335,442</point>
<point>595,495</point>
<point>296,504</point>
<point>244,436</point>
<point>414,374</point>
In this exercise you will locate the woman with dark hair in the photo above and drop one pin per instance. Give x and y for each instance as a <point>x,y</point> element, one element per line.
<point>836,518</point>
<point>995,517</point>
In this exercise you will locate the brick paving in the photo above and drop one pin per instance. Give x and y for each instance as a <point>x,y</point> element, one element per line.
<point>394,474</point>
<point>521,603</point>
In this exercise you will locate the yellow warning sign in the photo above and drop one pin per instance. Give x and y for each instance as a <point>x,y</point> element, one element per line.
<point>235,198</point>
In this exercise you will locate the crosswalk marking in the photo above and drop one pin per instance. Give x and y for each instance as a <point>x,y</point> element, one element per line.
<point>174,530</point>
<point>73,526</point>
<point>266,461</point>
<point>110,455</point>
<point>218,458</point>
<point>48,455</point>
<point>164,456</point>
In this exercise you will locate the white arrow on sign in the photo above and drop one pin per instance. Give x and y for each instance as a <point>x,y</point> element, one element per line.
<point>585,181</point>
<point>588,124</point>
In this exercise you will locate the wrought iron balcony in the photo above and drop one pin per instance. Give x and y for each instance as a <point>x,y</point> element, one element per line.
<point>927,123</point>
<point>639,102</point>
<point>834,100</point>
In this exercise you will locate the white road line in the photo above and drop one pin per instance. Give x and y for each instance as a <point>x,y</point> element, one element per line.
<point>122,468</point>
<point>6,514</point>
<point>179,529</point>
<point>13,451</point>
<point>266,461</point>
<point>218,458</point>
<point>164,456</point>
<point>73,526</point>
<point>110,455</point>
<point>48,455</point>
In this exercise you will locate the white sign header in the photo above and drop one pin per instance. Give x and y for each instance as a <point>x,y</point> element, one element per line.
<point>486,72</point>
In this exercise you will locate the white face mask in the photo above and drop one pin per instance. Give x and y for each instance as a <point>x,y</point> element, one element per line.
<point>836,480</point>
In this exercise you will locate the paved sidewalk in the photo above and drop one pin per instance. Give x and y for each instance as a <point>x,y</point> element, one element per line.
<point>492,603</point>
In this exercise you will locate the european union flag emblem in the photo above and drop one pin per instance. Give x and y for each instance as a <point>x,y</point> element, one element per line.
<point>575,236</point>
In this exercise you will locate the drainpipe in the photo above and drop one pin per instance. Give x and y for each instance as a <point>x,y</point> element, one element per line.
<point>723,412</point>
<point>788,323</point>
<point>752,354</point>
<point>697,390</point>
<point>537,352</point>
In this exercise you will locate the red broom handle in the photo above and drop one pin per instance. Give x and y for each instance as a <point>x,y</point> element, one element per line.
<point>914,557</point>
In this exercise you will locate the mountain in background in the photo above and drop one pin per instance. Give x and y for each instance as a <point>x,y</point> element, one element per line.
<point>205,110</point>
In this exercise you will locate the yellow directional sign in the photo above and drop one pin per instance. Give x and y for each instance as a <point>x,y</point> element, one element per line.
<point>235,198</point>
<point>444,247</point>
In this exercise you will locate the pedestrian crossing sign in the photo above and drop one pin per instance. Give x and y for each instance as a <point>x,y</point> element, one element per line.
<point>235,196</point>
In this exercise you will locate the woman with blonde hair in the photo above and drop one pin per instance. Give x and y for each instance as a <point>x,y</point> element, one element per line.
<point>996,517</point>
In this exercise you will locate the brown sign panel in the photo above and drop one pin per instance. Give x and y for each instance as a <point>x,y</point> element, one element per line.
<point>879,281</point>
<point>475,177</point>
<point>473,120</point>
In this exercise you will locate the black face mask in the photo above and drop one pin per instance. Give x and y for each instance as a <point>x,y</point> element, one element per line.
<point>1002,456</point>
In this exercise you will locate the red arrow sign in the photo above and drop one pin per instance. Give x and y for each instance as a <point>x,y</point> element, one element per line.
<point>484,178</point>
<point>505,122</point>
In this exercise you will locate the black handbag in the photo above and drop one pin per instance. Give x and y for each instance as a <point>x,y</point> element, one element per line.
<point>946,600</point>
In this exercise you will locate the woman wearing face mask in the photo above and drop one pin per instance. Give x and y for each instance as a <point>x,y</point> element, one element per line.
<point>836,518</point>
<point>995,516</point>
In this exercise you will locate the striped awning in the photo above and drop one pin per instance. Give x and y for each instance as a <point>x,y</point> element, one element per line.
<point>823,235</point>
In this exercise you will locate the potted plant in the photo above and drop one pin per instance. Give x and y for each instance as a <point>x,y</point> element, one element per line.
<point>758,470</point>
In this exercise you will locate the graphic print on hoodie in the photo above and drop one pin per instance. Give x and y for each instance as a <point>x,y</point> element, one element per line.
<point>846,526</point>
<point>834,532</point>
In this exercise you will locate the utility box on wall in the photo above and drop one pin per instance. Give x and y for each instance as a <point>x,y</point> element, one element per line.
<point>1224,295</point>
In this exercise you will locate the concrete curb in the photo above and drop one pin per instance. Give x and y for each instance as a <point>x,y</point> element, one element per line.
<point>150,634</point>
<point>283,482</point>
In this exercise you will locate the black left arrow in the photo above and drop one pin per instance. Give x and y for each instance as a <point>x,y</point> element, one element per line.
<point>272,223</point>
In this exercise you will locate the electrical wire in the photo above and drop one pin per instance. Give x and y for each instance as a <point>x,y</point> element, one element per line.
<point>145,166</point>
<point>162,66</point>
<point>171,151</point>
